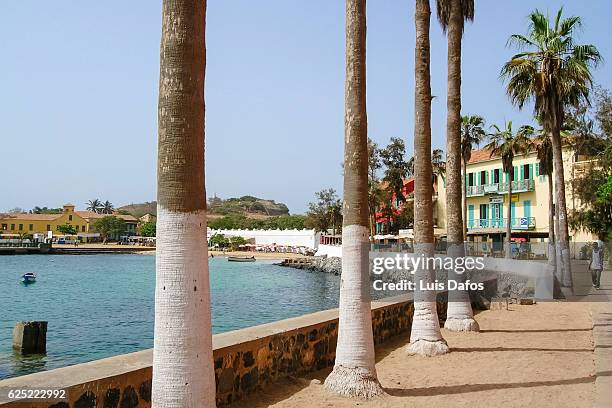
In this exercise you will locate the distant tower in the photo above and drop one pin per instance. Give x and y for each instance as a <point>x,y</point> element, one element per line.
<point>68,208</point>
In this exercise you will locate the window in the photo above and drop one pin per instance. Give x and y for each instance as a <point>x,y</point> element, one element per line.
<point>20,227</point>
<point>526,174</point>
<point>496,176</point>
<point>48,227</point>
<point>70,217</point>
<point>470,216</point>
<point>4,227</point>
<point>12,227</point>
<point>31,227</point>
<point>483,211</point>
<point>527,209</point>
<point>483,178</point>
<point>484,216</point>
<point>57,227</point>
<point>83,228</point>
<point>470,179</point>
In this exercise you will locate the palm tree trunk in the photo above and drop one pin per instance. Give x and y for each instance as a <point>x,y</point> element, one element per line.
<point>509,215</point>
<point>551,227</point>
<point>558,262</point>
<point>183,374</point>
<point>459,315</point>
<point>425,335</point>
<point>562,231</point>
<point>463,180</point>
<point>354,372</point>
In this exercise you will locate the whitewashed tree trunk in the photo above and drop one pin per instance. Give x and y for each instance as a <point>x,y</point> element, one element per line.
<point>354,372</point>
<point>459,315</point>
<point>183,374</point>
<point>425,336</point>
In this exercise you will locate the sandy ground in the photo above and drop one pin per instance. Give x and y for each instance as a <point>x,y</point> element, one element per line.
<point>151,251</point>
<point>257,255</point>
<point>539,356</point>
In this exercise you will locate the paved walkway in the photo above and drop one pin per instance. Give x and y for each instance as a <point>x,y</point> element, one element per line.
<point>602,342</point>
<point>583,286</point>
<point>601,311</point>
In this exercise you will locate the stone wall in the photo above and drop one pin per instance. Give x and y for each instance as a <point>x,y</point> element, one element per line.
<point>245,360</point>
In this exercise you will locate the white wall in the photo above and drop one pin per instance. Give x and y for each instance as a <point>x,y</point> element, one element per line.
<point>330,251</point>
<point>305,238</point>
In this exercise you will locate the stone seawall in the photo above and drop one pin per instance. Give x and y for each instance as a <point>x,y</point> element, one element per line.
<point>245,360</point>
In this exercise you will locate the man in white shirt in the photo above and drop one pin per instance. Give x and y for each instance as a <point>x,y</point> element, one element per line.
<point>596,264</point>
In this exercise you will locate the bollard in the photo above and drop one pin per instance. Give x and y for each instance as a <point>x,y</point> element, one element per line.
<point>30,337</point>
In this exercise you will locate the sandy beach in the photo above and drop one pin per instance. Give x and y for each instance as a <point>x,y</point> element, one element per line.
<point>151,251</point>
<point>539,355</point>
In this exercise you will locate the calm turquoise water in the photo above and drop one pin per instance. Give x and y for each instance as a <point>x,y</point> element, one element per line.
<point>102,305</point>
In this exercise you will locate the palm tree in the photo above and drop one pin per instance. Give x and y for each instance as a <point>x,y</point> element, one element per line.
<point>375,200</point>
<point>107,207</point>
<point>354,372</point>
<point>425,335</point>
<point>183,372</point>
<point>374,191</point>
<point>410,166</point>
<point>451,15</point>
<point>472,133</point>
<point>438,165</point>
<point>94,205</point>
<point>554,72</point>
<point>507,144</point>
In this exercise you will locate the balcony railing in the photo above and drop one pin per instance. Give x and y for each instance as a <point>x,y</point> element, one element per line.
<point>523,223</point>
<point>518,186</point>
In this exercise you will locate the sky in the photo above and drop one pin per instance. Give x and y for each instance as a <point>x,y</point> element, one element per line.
<point>79,82</point>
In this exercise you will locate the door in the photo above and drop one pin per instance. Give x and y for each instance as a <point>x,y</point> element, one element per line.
<point>526,213</point>
<point>497,215</point>
<point>484,215</point>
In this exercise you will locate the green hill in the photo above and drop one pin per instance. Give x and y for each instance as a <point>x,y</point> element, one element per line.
<point>248,206</point>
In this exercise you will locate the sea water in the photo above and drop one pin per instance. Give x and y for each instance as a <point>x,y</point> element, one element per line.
<point>99,306</point>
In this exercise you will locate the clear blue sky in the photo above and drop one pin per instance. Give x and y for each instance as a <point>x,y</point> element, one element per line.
<point>79,92</point>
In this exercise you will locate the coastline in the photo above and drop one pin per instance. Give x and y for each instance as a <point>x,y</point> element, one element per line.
<point>257,255</point>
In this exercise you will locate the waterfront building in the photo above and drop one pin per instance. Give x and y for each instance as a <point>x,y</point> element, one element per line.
<point>384,219</point>
<point>146,218</point>
<point>487,199</point>
<point>82,221</point>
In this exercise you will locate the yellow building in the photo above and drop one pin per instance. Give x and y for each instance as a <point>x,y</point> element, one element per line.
<point>487,198</point>
<point>82,221</point>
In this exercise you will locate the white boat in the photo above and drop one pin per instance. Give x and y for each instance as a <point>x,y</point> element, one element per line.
<point>241,258</point>
<point>28,277</point>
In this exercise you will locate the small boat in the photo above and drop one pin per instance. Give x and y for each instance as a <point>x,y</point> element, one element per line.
<point>28,277</point>
<point>241,258</point>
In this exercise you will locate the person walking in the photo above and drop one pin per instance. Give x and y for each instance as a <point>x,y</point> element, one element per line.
<point>596,264</point>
